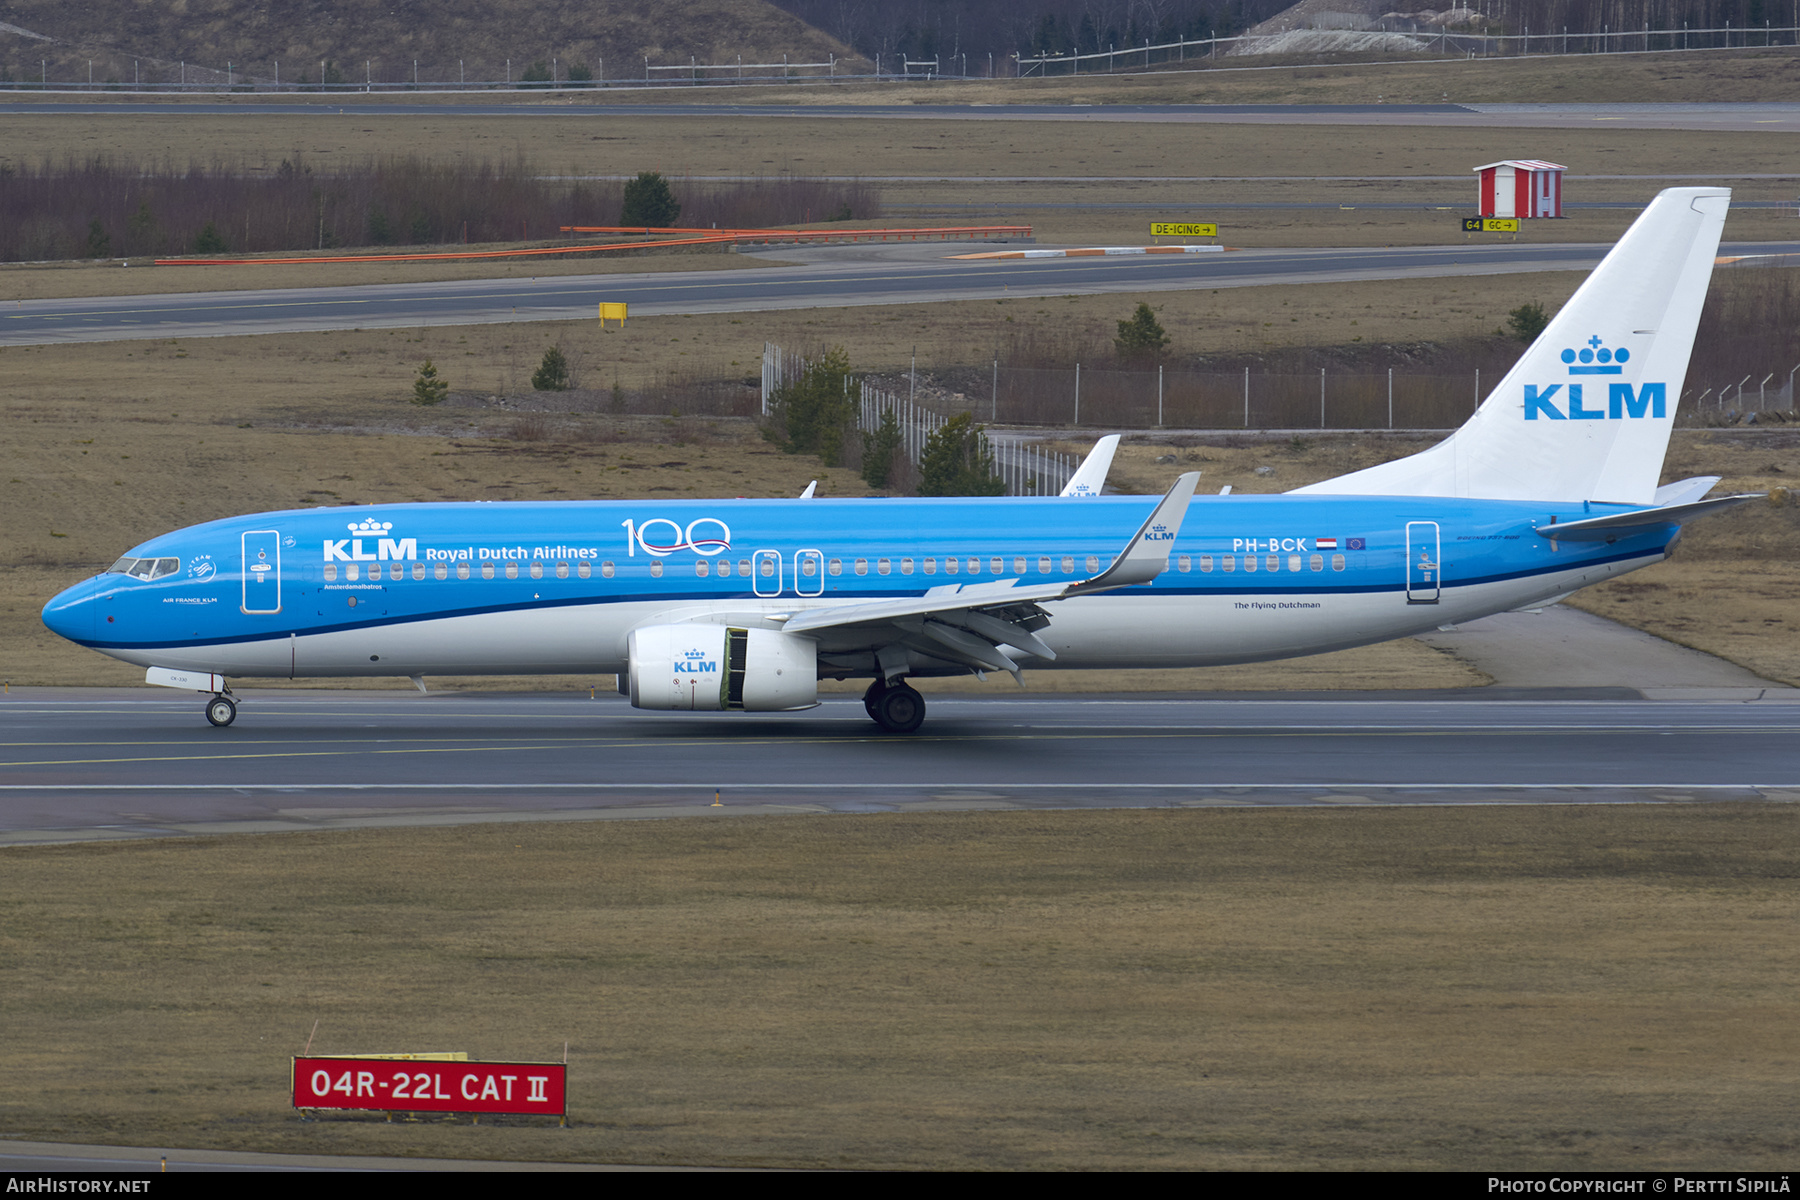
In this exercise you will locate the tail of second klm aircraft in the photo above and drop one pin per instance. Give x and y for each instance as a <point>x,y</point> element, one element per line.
<point>1586,413</point>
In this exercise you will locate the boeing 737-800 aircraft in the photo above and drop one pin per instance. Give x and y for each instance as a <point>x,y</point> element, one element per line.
<point>746,604</point>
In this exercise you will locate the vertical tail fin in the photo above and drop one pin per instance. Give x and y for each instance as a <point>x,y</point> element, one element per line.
<point>1586,413</point>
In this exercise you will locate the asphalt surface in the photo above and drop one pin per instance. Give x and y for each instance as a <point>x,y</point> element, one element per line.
<point>832,277</point>
<point>76,765</point>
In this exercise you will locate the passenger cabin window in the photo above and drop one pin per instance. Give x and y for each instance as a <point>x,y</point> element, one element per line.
<point>1206,564</point>
<point>1228,563</point>
<point>1337,562</point>
<point>809,566</point>
<point>1249,562</point>
<point>537,570</point>
<point>512,570</point>
<point>974,566</point>
<point>1317,562</point>
<point>931,566</point>
<point>767,567</point>
<point>487,570</point>
<point>353,572</point>
<point>562,570</point>
<point>1043,566</point>
<point>906,566</point>
<point>1068,564</point>
<point>1184,564</point>
<point>744,567</point>
<point>835,566</point>
<point>418,570</point>
<point>862,567</point>
<point>997,566</point>
<point>462,570</point>
<point>884,566</point>
<point>330,572</point>
<point>656,568</point>
<point>582,570</point>
<point>1093,564</point>
<point>1018,566</point>
<point>396,571</point>
<point>1274,562</point>
<point>606,570</point>
<point>951,565</point>
<point>442,571</point>
<point>700,568</point>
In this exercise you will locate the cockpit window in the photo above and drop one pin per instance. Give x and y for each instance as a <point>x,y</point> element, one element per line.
<point>145,568</point>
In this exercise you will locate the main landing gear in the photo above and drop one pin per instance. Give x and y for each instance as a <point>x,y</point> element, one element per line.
<point>895,707</point>
<point>221,710</point>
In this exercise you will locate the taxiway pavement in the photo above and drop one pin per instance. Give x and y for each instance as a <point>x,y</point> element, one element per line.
<point>822,278</point>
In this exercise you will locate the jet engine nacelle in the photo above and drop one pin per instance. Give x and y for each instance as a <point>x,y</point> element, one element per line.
<point>711,668</point>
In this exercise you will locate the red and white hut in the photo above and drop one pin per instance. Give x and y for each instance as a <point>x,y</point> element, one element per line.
<point>1521,187</point>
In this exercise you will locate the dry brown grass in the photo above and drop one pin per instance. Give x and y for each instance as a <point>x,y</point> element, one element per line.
<point>1601,988</point>
<point>980,155</point>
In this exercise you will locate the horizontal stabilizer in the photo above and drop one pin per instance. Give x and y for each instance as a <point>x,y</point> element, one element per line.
<point>1600,529</point>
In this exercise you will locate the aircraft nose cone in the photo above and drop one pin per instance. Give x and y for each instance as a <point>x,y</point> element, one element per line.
<point>73,613</point>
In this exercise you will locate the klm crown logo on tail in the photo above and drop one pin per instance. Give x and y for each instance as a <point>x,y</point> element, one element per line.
<point>1623,402</point>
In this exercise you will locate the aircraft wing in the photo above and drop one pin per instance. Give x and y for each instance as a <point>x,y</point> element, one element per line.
<point>972,624</point>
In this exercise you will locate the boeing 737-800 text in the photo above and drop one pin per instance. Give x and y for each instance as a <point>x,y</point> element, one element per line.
<point>746,604</point>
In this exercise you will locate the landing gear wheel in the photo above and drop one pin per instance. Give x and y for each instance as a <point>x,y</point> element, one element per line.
<point>221,711</point>
<point>872,696</point>
<point>898,709</point>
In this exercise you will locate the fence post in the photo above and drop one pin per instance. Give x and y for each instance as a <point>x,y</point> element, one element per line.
<point>1477,387</point>
<point>1321,397</point>
<point>1077,394</point>
<point>1159,395</point>
<point>994,418</point>
<point>1246,397</point>
<point>1390,397</point>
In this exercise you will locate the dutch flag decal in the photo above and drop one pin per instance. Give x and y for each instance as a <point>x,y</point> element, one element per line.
<point>1325,543</point>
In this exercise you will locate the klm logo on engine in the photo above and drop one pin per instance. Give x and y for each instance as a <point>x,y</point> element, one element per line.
<point>695,662</point>
<point>1623,402</point>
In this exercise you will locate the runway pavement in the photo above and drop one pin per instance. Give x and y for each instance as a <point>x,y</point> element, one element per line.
<point>833,277</point>
<point>115,763</point>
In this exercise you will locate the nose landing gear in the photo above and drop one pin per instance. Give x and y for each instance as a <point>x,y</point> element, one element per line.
<point>896,707</point>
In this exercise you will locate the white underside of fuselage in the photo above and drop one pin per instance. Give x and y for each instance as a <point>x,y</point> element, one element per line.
<point>1128,629</point>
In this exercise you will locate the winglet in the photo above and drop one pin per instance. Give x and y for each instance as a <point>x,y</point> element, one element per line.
<point>1146,555</point>
<point>808,493</point>
<point>1090,478</point>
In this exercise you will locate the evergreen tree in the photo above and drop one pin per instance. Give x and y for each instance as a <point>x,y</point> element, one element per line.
<point>99,245</point>
<point>1140,335</point>
<point>552,374</point>
<point>428,389</point>
<point>881,451</point>
<point>1527,321</point>
<point>210,241</point>
<point>649,202</point>
<point>815,411</point>
<point>959,462</point>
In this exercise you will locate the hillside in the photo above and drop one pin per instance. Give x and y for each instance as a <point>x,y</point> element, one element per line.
<point>471,38</point>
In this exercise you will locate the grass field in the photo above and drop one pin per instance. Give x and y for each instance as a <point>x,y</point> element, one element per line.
<point>1600,988</point>
<point>969,171</point>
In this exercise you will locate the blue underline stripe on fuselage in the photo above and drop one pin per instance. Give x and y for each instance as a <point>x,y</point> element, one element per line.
<point>686,597</point>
